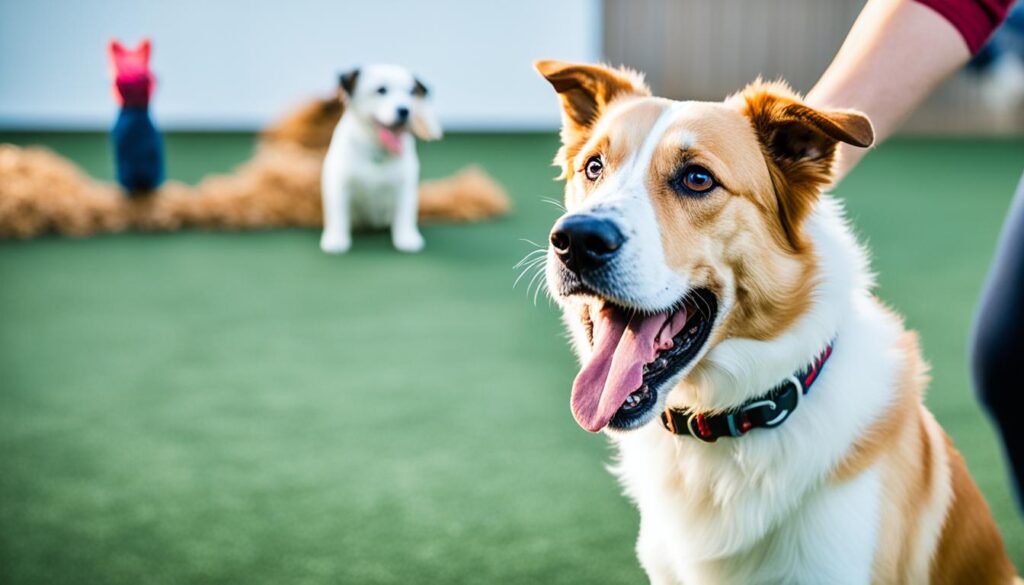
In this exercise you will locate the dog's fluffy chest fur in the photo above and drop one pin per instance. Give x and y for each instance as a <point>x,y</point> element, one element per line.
<point>763,508</point>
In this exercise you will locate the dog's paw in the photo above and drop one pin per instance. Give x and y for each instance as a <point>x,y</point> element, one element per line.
<point>408,241</point>
<point>335,243</point>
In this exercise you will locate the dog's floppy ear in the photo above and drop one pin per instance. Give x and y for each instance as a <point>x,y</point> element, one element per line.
<point>799,144</point>
<point>347,81</point>
<point>419,90</point>
<point>424,122</point>
<point>586,91</point>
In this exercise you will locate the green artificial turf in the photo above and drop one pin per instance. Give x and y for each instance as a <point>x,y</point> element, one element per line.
<point>240,408</point>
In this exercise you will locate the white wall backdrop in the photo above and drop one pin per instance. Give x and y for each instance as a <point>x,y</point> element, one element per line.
<point>237,64</point>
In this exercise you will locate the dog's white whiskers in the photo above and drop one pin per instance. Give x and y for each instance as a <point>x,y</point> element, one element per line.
<point>532,243</point>
<point>539,281</point>
<point>529,256</point>
<point>529,262</point>
<point>520,277</point>
<point>530,265</point>
<point>554,202</point>
<point>543,283</point>
<point>538,271</point>
<point>535,264</point>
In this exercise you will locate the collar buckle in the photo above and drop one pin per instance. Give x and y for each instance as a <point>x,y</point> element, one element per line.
<point>793,385</point>
<point>772,406</point>
<point>697,423</point>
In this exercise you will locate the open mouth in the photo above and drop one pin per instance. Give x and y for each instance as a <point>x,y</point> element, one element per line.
<point>390,137</point>
<point>635,356</point>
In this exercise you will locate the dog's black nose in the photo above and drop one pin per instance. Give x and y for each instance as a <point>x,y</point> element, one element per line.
<point>402,114</point>
<point>585,242</point>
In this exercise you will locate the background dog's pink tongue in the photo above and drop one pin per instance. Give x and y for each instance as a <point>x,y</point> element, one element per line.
<point>622,345</point>
<point>391,141</point>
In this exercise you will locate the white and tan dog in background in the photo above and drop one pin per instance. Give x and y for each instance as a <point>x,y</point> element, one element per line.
<point>371,171</point>
<point>700,268</point>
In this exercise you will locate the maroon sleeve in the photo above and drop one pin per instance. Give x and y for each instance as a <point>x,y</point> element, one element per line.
<point>975,19</point>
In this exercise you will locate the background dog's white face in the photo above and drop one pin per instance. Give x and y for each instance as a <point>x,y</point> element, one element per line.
<point>390,97</point>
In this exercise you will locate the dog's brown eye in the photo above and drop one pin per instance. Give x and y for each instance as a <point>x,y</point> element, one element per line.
<point>694,180</point>
<point>382,90</point>
<point>593,168</point>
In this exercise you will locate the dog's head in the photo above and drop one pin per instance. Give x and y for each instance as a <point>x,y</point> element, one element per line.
<point>390,98</point>
<point>684,228</point>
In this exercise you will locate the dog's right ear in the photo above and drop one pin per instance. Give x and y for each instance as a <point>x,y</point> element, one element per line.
<point>347,81</point>
<point>586,91</point>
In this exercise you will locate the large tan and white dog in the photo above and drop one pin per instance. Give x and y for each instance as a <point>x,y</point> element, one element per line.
<point>767,408</point>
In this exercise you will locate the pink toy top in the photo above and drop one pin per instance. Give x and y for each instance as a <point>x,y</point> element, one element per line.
<point>133,81</point>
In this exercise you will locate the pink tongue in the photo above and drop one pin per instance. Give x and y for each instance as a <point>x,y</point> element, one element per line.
<point>623,343</point>
<point>391,141</point>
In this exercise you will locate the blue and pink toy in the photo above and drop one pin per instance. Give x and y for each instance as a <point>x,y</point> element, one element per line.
<point>138,147</point>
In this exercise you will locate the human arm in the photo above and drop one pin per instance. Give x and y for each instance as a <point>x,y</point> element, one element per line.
<point>896,54</point>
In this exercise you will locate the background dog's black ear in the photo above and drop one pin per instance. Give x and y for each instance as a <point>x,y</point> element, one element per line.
<point>347,81</point>
<point>419,90</point>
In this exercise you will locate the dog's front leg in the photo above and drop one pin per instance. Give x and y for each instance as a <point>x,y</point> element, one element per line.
<point>337,235</point>
<point>405,235</point>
